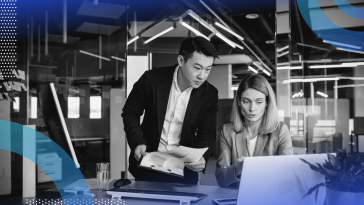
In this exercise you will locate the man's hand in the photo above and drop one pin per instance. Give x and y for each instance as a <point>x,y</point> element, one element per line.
<point>197,166</point>
<point>140,151</point>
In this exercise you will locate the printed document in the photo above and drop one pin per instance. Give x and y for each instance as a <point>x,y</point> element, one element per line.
<point>172,162</point>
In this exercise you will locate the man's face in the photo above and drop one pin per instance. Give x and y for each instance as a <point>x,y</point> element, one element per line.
<point>195,71</point>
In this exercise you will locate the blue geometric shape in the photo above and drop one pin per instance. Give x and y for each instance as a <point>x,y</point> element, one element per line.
<point>346,7</point>
<point>70,173</point>
<point>336,36</point>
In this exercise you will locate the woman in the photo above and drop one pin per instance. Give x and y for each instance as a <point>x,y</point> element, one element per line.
<point>254,130</point>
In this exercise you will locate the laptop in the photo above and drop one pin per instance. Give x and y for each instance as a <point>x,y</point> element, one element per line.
<point>279,180</point>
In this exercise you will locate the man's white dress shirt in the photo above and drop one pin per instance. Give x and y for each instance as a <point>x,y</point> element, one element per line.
<point>175,114</point>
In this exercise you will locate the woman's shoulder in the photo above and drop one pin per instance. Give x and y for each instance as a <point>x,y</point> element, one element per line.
<point>282,129</point>
<point>228,131</point>
<point>228,126</point>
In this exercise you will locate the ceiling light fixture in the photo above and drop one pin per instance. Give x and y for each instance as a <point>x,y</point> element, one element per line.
<point>282,54</point>
<point>252,69</point>
<point>222,37</point>
<point>213,13</point>
<point>229,30</point>
<point>195,31</point>
<point>201,21</point>
<point>330,66</point>
<point>234,87</point>
<point>270,41</point>
<point>353,63</point>
<point>309,80</point>
<point>282,49</point>
<point>342,44</point>
<point>159,34</point>
<point>352,78</point>
<point>256,63</point>
<point>322,94</point>
<point>252,16</point>
<point>239,46</point>
<point>266,72</point>
<point>299,94</point>
<point>117,58</point>
<point>349,86</point>
<point>94,55</point>
<point>133,39</point>
<point>360,52</point>
<point>289,68</point>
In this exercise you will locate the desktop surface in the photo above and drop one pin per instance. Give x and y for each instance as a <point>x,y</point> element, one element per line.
<point>212,192</point>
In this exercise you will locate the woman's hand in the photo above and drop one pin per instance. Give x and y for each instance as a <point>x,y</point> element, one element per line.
<point>241,159</point>
<point>239,165</point>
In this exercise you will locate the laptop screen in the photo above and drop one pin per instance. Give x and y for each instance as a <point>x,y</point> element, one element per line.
<point>282,180</point>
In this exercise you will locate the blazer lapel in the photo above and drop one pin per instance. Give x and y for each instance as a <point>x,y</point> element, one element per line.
<point>240,145</point>
<point>193,106</point>
<point>163,91</point>
<point>260,144</point>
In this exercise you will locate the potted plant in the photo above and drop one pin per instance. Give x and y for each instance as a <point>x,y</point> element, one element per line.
<point>344,178</point>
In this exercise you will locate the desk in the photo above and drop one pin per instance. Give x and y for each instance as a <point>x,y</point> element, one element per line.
<point>101,197</point>
<point>213,192</point>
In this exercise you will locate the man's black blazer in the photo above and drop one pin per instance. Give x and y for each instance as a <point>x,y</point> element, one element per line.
<point>150,95</point>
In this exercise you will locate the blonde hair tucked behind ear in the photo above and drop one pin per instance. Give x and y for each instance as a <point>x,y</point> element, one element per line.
<point>270,118</point>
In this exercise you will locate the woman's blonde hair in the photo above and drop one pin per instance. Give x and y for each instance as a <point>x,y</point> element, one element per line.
<point>270,117</point>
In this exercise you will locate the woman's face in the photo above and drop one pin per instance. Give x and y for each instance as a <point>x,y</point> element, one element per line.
<point>252,104</point>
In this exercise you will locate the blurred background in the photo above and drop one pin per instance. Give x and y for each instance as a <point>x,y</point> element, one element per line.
<point>95,50</point>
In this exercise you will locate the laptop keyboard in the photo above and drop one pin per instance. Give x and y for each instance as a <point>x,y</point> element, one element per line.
<point>156,192</point>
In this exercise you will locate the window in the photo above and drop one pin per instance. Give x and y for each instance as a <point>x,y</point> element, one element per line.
<point>33,107</point>
<point>73,107</point>
<point>16,104</point>
<point>95,107</point>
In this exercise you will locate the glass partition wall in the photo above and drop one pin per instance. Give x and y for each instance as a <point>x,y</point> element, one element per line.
<point>319,75</point>
<point>80,46</point>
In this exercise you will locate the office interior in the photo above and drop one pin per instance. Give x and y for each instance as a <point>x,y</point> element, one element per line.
<point>95,50</point>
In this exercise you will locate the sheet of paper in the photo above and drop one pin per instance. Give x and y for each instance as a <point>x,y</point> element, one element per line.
<point>163,162</point>
<point>172,161</point>
<point>188,154</point>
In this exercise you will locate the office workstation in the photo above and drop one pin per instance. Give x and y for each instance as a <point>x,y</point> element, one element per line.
<point>106,61</point>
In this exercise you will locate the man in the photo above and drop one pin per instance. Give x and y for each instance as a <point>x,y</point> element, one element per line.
<point>180,108</point>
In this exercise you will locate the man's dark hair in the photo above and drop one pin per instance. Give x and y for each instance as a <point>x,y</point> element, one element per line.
<point>198,44</point>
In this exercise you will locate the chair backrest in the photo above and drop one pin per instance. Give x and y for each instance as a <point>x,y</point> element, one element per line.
<point>299,150</point>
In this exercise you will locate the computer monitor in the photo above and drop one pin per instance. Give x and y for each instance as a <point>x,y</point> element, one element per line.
<point>54,120</point>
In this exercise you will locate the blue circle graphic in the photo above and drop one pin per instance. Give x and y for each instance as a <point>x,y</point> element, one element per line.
<point>70,173</point>
<point>340,37</point>
<point>346,7</point>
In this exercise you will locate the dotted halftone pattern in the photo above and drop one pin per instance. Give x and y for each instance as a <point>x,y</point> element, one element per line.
<point>75,201</point>
<point>7,37</point>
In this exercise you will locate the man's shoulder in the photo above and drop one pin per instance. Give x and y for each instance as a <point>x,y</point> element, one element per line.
<point>162,70</point>
<point>159,72</point>
<point>210,88</point>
